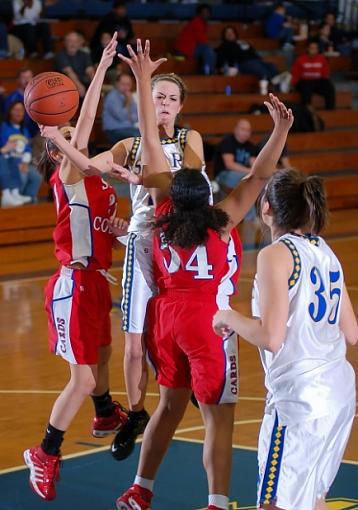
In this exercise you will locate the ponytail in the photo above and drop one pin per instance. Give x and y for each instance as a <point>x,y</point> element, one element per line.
<point>296,201</point>
<point>46,163</point>
<point>315,197</point>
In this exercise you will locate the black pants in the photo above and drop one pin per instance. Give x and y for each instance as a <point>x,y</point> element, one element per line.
<point>30,35</point>
<point>324,87</point>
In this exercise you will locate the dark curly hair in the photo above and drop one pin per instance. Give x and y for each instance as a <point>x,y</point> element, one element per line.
<point>188,223</point>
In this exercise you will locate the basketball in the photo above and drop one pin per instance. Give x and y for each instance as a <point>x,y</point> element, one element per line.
<point>51,99</point>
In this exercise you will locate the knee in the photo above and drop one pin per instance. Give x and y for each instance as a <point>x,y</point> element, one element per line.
<point>84,385</point>
<point>133,348</point>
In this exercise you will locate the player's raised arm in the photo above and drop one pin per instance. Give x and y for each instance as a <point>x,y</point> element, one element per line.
<point>89,107</point>
<point>244,195</point>
<point>156,175</point>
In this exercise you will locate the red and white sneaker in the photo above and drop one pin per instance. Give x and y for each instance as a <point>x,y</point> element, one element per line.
<point>103,426</point>
<point>213,507</point>
<point>44,471</point>
<point>135,498</point>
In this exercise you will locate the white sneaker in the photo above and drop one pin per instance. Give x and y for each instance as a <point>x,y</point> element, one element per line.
<point>285,84</point>
<point>23,199</point>
<point>8,200</point>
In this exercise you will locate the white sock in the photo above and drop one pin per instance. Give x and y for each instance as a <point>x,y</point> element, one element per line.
<point>144,483</point>
<point>219,500</point>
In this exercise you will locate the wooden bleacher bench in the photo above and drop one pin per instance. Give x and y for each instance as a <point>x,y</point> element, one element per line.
<point>326,162</point>
<point>221,103</point>
<point>218,124</point>
<point>342,191</point>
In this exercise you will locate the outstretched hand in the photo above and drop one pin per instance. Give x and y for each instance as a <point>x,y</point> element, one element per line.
<point>221,323</point>
<point>109,52</point>
<point>281,115</point>
<point>121,173</point>
<point>50,132</point>
<point>118,227</point>
<point>141,63</point>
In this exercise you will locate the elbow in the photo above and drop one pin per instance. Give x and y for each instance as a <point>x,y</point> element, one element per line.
<point>273,342</point>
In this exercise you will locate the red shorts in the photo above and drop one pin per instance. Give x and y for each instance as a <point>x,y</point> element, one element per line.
<point>185,351</point>
<point>78,305</point>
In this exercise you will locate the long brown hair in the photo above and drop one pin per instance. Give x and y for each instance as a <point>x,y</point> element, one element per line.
<point>297,201</point>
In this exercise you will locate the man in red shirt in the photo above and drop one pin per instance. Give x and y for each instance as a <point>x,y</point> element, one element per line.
<point>192,40</point>
<point>310,75</point>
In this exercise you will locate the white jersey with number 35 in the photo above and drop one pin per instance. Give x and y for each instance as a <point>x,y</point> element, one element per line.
<point>309,375</point>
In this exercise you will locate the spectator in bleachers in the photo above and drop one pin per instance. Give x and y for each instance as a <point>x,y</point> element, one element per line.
<point>234,156</point>
<point>4,46</point>
<point>24,76</point>
<point>74,62</point>
<point>15,138</point>
<point>30,29</point>
<point>120,116</point>
<point>234,54</point>
<point>278,27</point>
<point>192,41</point>
<point>115,21</point>
<point>332,39</point>
<point>310,75</point>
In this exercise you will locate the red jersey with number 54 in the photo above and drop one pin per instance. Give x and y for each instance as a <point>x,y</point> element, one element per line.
<point>211,268</point>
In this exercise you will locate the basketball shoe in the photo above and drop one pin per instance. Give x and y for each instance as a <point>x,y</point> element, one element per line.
<point>213,507</point>
<point>124,441</point>
<point>44,472</point>
<point>103,426</point>
<point>135,498</point>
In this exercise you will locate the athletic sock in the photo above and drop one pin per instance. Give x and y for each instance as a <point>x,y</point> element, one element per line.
<point>145,483</point>
<point>52,441</point>
<point>219,500</point>
<point>103,404</point>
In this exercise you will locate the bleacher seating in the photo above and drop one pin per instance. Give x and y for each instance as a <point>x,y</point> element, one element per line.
<point>213,111</point>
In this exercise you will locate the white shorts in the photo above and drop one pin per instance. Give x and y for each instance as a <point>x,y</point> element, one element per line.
<point>137,283</point>
<point>298,463</point>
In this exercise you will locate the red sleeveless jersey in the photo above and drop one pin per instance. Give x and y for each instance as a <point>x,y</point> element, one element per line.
<point>82,232</point>
<point>212,268</point>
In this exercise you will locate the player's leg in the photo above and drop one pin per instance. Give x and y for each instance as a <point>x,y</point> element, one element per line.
<point>137,287</point>
<point>321,505</point>
<point>214,373</point>
<point>156,439</point>
<point>135,370</point>
<point>43,460</point>
<point>110,415</point>
<point>217,452</point>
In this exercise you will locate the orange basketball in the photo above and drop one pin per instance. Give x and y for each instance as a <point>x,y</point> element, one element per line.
<point>51,99</point>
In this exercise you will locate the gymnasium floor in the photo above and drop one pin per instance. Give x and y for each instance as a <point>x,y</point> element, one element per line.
<point>31,378</point>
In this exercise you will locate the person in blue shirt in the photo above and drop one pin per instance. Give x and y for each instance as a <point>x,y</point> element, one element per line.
<point>277,27</point>
<point>19,179</point>
<point>120,116</point>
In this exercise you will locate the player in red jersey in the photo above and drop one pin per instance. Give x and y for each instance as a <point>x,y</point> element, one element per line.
<point>78,299</point>
<point>196,252</point>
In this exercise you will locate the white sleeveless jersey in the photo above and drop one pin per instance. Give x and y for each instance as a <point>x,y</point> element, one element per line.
<point>309,376</point>
<point>142,205</point>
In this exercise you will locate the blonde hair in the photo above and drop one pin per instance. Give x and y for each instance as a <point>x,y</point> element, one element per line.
<point>173,78</point>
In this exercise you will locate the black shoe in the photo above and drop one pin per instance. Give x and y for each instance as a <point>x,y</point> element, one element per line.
<point>124,441</point>
<point>194,401</point>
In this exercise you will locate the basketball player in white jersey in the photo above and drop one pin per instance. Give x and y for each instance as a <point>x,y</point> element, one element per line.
<point>303,318</point>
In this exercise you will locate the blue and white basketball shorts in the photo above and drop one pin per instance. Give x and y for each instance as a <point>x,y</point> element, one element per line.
<point>137,282</point>
<point>298,463</point>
